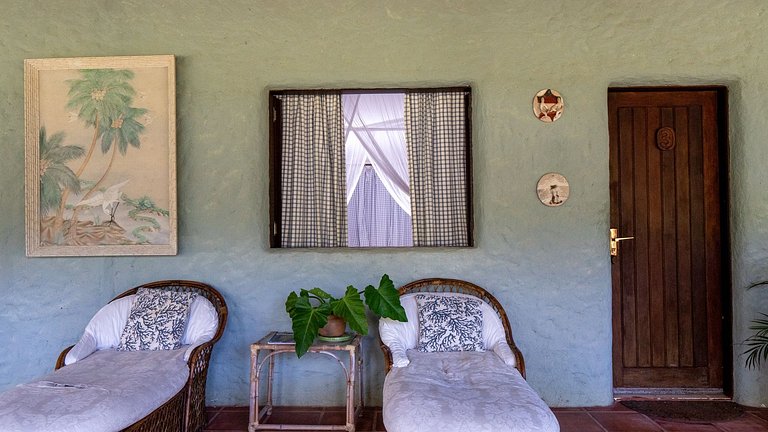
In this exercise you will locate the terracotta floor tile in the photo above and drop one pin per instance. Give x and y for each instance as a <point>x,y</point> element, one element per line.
<point>294,417</point>
<point>756,409</point>
<point>210,414</point>
<point>334,417</point>
<point>366,421</point>
<point>233,409</point>
<point>669,426</point>
<point>227,420</point>
<point>615,407</point>
<point>292,408</point>
<point>747,423</point>
<point>759,412</point>
<point>613,418</point>
<point>567,409</point>
<point>625,422</point>
<point>574,421</point>
<point>244,429</point>
<point>380,422</point>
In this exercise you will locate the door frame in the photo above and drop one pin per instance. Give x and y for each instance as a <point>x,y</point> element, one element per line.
<point>724,171</point>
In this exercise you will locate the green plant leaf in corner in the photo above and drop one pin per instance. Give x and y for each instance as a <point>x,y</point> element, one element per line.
<point>351,308</point>
<point>320,294</point>
<point>757,343</point>
<point>307,320</point>
<point>385,301</point>
<point>290,302</point>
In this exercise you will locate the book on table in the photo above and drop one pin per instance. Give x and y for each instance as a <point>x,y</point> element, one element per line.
<point>282,338</point>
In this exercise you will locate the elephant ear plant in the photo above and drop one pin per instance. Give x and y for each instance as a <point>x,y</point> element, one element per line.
<point>309,310</point>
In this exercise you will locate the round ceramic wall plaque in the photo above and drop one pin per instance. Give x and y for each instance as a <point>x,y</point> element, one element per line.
<point>548,105</point>
<point>553,189</point>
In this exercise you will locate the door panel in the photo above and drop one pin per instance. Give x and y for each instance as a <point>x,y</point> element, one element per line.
<point>668,281</point>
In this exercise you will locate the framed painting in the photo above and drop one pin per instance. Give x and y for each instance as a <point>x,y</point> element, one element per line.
<point>100,156</point>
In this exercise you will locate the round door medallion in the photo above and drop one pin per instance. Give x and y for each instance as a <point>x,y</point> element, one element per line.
<point>553,189</point>
<point>548,105</point>
<point>665,138</point>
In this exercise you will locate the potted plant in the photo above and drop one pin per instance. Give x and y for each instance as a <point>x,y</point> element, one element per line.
<point>310,310</point>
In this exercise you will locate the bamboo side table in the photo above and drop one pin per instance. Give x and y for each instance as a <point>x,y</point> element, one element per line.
<point>353,371</point>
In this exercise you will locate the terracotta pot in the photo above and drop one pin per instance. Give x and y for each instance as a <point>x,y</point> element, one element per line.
<point>335,327</point>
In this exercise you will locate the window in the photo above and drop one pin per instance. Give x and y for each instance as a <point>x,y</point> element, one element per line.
<point>370,168</point>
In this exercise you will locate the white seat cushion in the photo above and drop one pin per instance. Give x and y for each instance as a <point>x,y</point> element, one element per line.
<point>108,391</point>
<point>462,391</point>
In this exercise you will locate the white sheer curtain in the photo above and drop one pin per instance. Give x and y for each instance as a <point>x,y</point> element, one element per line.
<point>375,134</point>
<point>375,219</point>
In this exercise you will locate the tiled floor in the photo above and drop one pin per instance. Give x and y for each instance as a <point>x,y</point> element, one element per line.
<point>616,418</point>
<point>235,419</point>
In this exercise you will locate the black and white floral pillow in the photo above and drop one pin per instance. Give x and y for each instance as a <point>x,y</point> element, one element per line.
<point>156,321</point>
<point>449,323</point>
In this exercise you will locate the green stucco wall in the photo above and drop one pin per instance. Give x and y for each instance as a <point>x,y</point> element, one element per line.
<point>549,267</point>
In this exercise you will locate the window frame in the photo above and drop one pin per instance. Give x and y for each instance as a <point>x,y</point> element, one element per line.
<point>275,157</point>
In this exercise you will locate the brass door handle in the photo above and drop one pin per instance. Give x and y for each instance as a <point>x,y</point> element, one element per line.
<point>615,239</point>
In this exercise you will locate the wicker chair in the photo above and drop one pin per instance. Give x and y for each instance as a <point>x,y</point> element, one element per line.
<point>440,285</point>
<point>185,412</point>
<point>458,391</point>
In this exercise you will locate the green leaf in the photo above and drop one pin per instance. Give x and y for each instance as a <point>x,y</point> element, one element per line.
<point>757,284</point>
<point>757,343</point>
<point>290,302</point>
<point>351,308</point>
<point>307,320</point>
<point>320,293</point>
<point>385,301</point>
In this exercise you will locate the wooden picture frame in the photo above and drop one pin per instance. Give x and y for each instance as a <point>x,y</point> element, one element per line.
<point>100,156</point>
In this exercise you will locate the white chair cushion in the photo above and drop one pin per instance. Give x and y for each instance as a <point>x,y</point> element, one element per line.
<point>86,346</point>
<point>104,329</point>
<point>202,323</point>
<point>402,336</point>
<point>108,323</point>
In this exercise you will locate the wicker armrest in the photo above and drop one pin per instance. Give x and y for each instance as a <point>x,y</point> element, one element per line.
<point>198,375</point>
<point>519,360</point>
<point>387,356</point>
<point>62,356</point>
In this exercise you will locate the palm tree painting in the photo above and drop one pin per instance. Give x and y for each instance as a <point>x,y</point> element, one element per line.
<point>88,196</point>
<point>55,175</point>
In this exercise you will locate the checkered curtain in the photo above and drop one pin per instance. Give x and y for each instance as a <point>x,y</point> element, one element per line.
<point>435,124</point>
<point>314,208</point>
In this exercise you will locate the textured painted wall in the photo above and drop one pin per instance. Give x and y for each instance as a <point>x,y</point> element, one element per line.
<point>548,267</point>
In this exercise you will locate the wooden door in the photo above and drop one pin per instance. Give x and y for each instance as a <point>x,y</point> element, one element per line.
<point>667,159</point>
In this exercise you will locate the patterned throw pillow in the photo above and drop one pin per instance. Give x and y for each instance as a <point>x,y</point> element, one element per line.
<point>449,323</point>
<point>156,321</point>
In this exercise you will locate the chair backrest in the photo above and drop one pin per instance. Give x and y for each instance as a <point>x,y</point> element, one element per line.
<point>205,290</point>
<point>443,285</point>
<point>200,288</point>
